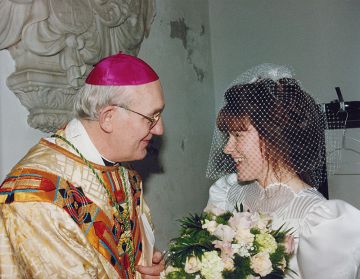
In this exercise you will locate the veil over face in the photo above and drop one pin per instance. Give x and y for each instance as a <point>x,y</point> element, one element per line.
<point>244,147</point>
<point>289,123</point>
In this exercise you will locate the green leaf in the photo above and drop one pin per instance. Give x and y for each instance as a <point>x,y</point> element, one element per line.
<point>193,240</point>
<point>224,218</point>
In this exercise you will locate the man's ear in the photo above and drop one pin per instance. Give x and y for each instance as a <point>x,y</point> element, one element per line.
<point>106,117</point>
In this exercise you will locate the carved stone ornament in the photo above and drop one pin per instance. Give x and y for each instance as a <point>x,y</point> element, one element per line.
<point>55,43</point>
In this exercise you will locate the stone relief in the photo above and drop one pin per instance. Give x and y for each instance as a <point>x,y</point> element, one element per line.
<point>55,43</point>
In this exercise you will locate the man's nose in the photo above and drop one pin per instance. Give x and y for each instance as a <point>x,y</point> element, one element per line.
<point>158,129</point>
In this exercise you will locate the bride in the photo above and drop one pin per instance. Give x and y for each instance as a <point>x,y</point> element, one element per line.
<point>269,150</point>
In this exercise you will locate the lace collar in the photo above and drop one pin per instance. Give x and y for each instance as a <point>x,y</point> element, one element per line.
<point>268,200</point>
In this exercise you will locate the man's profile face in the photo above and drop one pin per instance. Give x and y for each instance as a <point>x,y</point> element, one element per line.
<point>133,132</point>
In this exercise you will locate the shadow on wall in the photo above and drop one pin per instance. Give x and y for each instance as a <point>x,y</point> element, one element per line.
<point>151,164</point>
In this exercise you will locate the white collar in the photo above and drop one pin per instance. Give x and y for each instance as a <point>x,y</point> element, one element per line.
<point>77,135</point>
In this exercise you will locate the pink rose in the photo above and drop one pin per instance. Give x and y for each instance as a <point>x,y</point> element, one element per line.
<point>225,248</point>
<point>261,263</point>
<point>289,244</point>
<point>241,220</point>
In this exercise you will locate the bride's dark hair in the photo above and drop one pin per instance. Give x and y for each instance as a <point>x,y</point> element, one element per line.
<point>290,124</point>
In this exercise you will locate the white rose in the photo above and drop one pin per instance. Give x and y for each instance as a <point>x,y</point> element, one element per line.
<point>224,232</point>
<point>228,264</point>
<point>210,226</point>
<point>192,264</point>
<point>261,263</point>
<point>263,222</point>
<point>244,236</point>
<point>211,265</point>
<point>168,270</point>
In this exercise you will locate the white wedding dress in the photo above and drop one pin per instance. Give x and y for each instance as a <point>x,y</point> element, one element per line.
<point>327,232</point>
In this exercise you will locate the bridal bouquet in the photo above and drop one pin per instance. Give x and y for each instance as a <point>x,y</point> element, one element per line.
<point>219,244</point>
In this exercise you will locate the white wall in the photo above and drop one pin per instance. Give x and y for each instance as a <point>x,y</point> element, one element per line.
<point>319,39</point>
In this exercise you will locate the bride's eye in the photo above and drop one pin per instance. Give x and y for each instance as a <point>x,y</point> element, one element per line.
<point>238,134</point>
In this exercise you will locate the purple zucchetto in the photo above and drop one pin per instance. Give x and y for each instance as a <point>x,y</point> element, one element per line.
<point>120,70</point>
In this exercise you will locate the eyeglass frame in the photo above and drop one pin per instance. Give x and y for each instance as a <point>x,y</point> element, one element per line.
<point>153,120</point>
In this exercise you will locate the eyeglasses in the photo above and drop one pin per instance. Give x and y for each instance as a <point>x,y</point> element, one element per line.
<point>152,120</point>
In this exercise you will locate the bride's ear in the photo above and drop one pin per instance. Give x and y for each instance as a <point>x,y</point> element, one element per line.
<point>263,149</point>
<point>106,118</point>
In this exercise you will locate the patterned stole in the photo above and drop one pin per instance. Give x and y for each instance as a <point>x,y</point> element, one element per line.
<point>106,236</point>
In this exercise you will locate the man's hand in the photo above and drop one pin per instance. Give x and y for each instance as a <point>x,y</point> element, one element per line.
<point>152,272</point>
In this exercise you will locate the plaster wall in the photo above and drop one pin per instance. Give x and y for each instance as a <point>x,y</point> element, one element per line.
<point>179,49</point>
<point>319,39</point>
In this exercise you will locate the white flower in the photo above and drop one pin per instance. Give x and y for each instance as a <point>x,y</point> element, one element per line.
<point>241,249</point>
<point>244,236</point>
<point>224,232</point>
<point>192,265</point>
<point>168,270</point>
<point>262,221</point>
<point>211,265</point>
<point>261,263</point>
<point>228,264</point>
<point>210,226</point>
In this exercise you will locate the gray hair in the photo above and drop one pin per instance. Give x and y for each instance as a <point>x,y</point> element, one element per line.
<point>92,98</point>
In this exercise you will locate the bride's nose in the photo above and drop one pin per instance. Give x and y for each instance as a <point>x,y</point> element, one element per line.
<point>230,145</point>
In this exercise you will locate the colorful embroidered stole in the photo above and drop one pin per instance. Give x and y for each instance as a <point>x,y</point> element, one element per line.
<point>105,235</point>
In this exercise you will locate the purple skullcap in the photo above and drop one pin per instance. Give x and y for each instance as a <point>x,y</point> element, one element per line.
<point>121,69</point>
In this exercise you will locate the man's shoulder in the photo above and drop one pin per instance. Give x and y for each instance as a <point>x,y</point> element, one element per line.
<point>24,184</point>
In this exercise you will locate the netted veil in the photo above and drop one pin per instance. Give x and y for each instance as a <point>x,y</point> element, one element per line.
<point>290,124</point>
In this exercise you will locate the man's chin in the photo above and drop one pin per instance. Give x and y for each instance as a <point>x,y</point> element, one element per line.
<point>138,156</point>
<point>141,155</point>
